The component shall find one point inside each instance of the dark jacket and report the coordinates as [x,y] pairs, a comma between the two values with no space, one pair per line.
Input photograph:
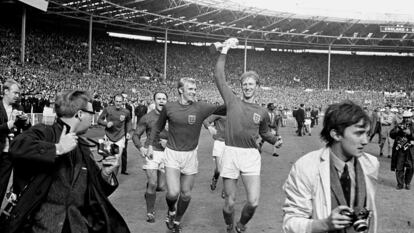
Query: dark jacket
[300,115]
[396,133]
[4,129]
[34,157]
[129,107]
[140,111]
[5,161]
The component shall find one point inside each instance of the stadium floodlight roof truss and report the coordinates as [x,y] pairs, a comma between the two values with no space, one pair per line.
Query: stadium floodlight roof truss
[211,20]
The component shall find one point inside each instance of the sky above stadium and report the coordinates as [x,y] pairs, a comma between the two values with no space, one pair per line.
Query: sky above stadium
[377,10]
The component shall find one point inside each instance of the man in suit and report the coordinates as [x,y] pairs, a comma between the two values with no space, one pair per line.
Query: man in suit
[403,151]
[300,118]
[61,187]
[12,122]
[324,186]
[273,126]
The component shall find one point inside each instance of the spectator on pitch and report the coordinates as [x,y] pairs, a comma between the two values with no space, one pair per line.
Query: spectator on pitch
[375,125]
[118,127]
[140,110]
[386,119]
[308,121]
[185,118]
[300,118]
[12,122]
[59,185]
[245,120]
[326,187]
[97,108]
[153,166]
[314,116]
[403,151]
[273,126]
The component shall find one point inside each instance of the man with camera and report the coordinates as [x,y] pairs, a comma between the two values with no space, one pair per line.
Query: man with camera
[153,165]
[118,125]
[241,157]
[12,122]
[333,189]
[403,150]
[59,186]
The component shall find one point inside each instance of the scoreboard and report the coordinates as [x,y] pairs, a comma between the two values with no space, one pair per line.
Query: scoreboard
[397,29]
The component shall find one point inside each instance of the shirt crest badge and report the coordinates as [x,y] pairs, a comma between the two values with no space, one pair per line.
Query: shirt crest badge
[122,117]
[191,119]
[256,118]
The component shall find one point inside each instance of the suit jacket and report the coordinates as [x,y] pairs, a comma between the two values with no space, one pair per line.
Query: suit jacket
[4,129]
[308,190]
[300,115]
[34,156]
[396,134]
[129,107]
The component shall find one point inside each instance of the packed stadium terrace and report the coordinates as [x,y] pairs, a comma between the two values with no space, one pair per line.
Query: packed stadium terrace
[57,60]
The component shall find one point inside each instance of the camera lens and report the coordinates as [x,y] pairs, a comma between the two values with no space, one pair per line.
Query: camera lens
[360,225]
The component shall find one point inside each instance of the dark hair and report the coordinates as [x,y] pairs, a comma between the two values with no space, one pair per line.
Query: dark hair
[270,106]
[339,116]
[159,92]
[69,102]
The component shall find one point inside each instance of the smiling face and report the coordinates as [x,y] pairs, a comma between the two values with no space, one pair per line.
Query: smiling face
[353,140]
[249,87]
[188,92]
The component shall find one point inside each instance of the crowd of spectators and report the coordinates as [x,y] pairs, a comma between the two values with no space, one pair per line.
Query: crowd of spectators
[57,60]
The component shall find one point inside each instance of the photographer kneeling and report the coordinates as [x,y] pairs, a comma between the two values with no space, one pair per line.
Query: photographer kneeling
[59,186]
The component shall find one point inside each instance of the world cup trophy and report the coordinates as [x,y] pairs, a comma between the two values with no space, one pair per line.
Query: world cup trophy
[230,43]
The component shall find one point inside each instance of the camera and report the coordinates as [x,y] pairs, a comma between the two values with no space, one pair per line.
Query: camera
[402,126]
[20,115]
[11,201]
[107,148]
[359,218]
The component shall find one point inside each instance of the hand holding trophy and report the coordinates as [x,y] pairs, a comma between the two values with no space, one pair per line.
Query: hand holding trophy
[230,43]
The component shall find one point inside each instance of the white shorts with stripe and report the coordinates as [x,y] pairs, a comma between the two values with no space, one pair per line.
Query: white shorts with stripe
[238,161]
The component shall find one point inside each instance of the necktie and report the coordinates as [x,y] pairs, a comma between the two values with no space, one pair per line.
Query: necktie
[346,184]
[271,118]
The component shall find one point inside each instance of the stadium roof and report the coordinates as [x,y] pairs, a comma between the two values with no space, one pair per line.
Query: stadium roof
[212,20]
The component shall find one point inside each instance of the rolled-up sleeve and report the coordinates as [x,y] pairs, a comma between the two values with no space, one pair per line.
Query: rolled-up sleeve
[297,208]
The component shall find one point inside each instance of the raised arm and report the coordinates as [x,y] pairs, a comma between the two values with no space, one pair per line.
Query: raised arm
[220,77]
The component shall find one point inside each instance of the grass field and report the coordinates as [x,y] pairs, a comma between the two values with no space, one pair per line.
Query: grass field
[204,215]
